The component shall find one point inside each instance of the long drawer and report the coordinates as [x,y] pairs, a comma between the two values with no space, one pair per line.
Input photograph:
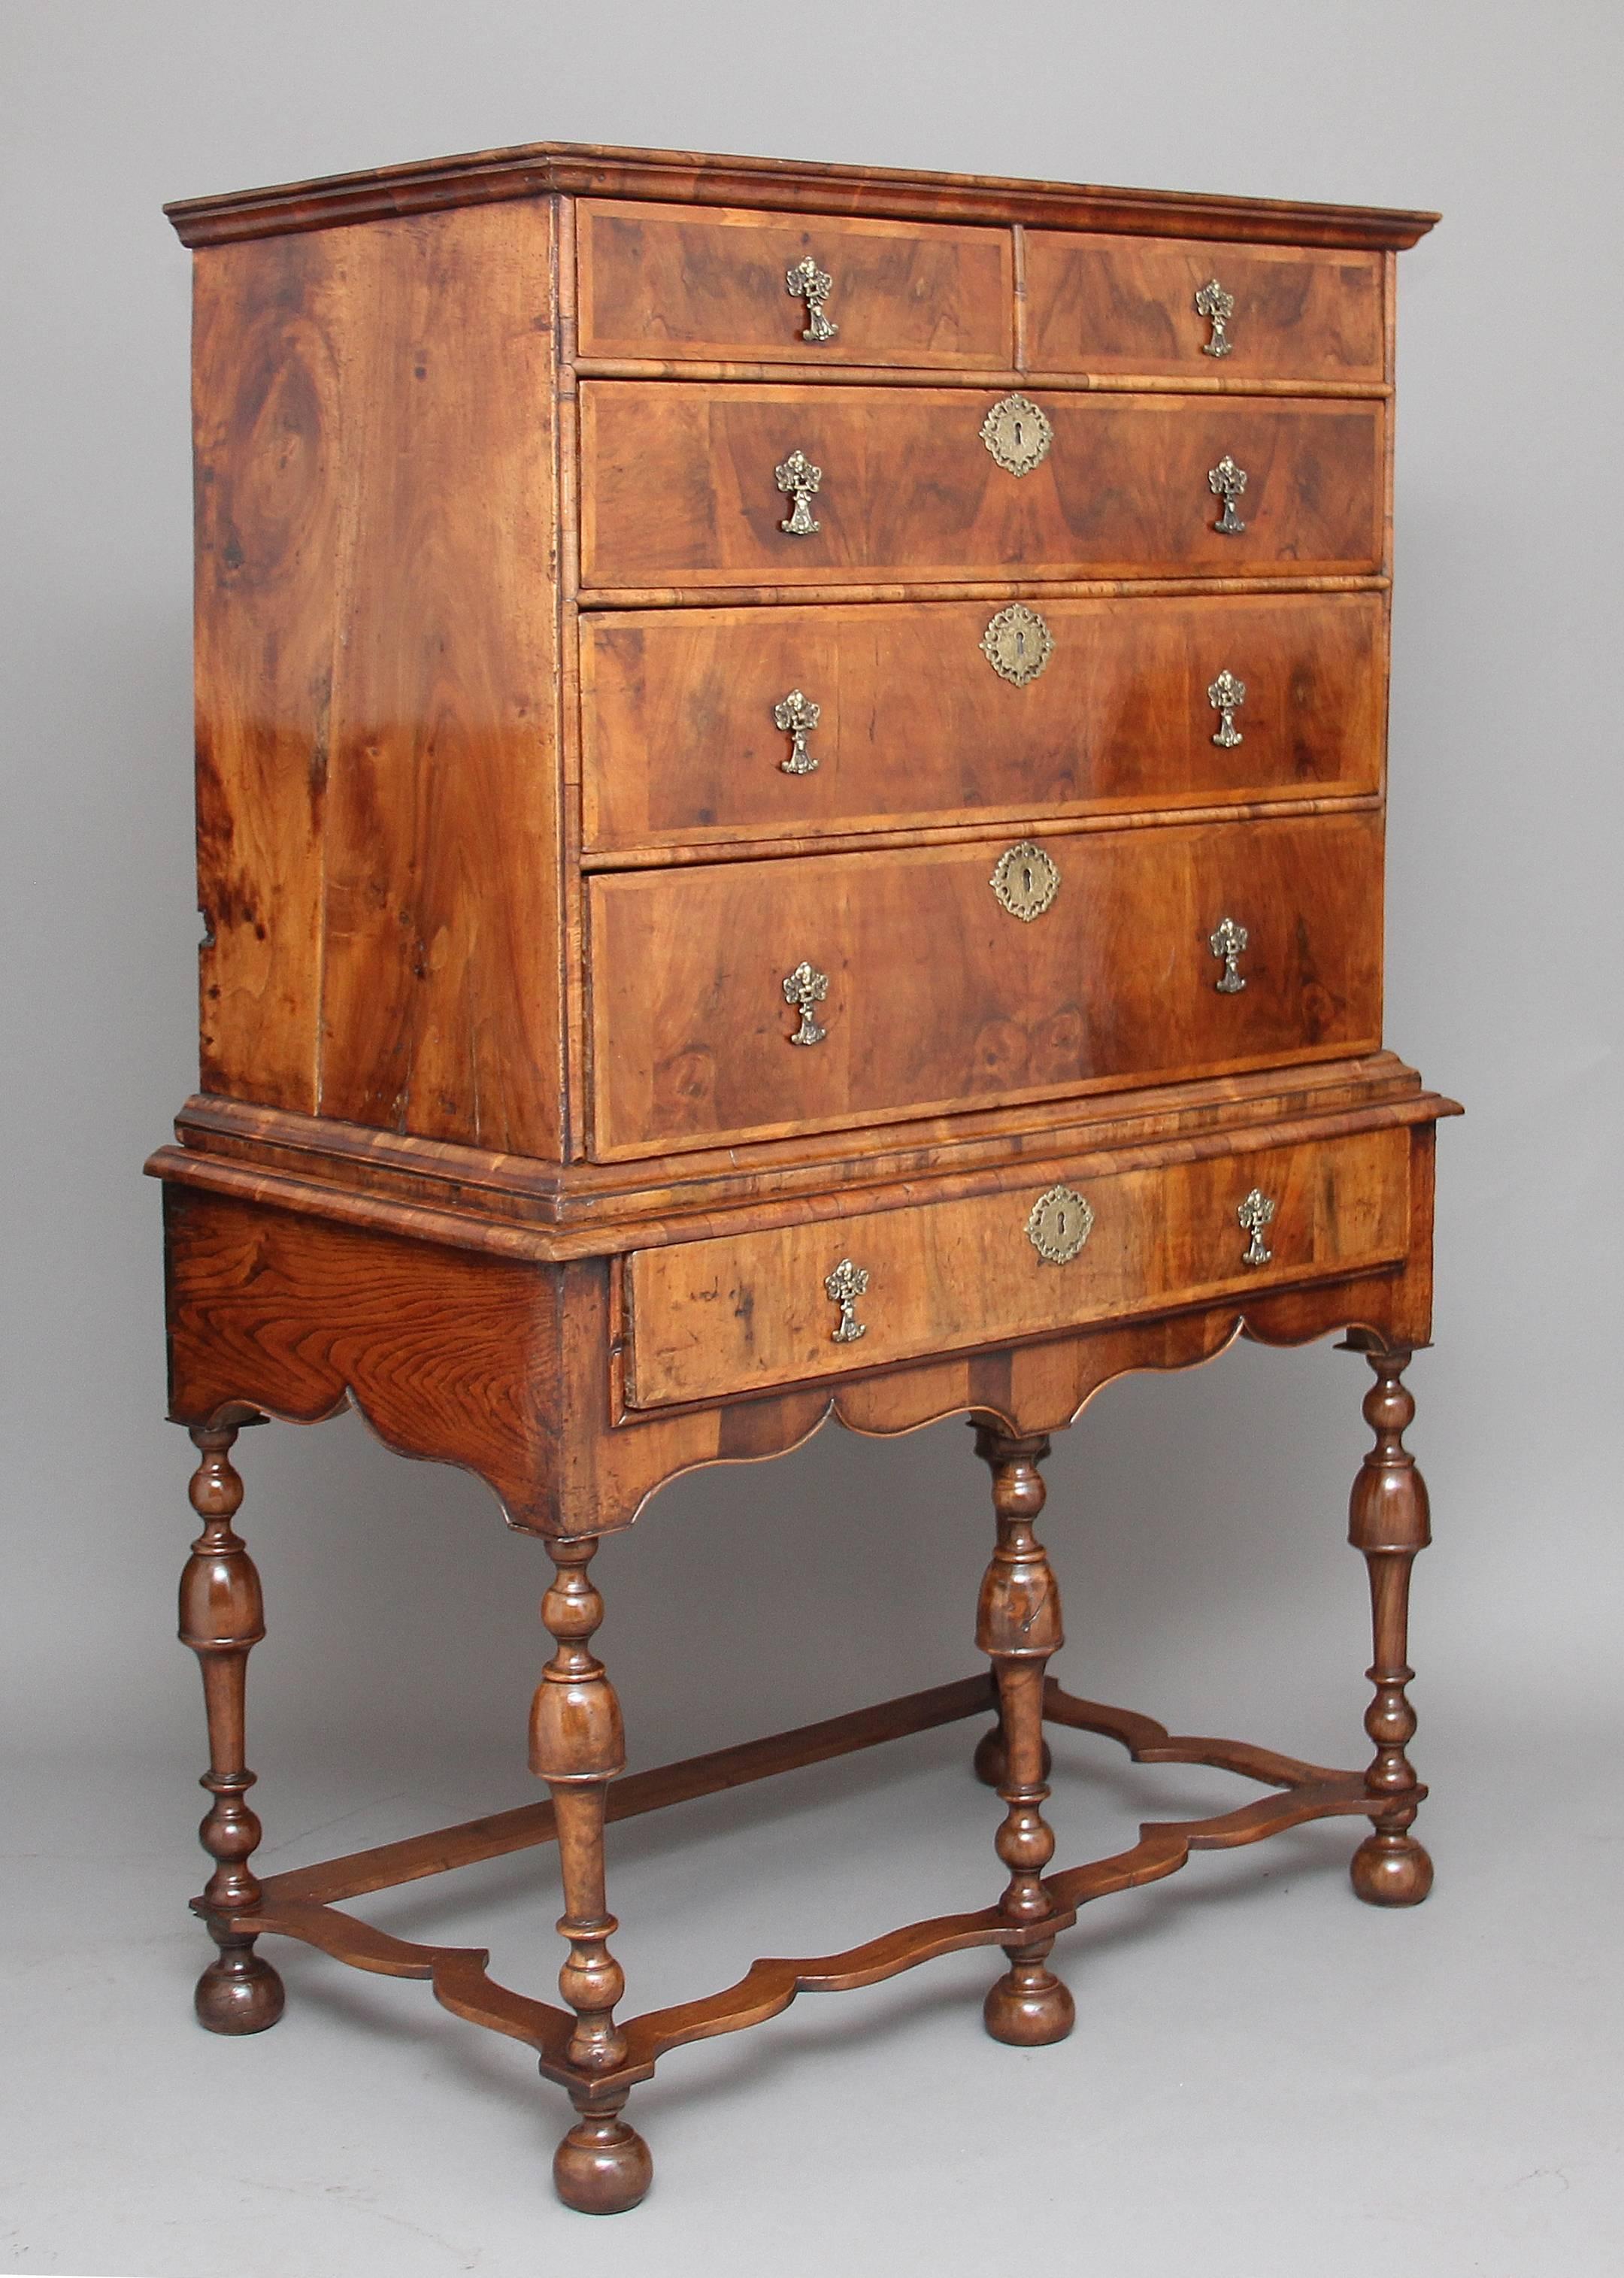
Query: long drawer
[741,1312]
[714,283]
[743,1000]
[700,486]
[695,723]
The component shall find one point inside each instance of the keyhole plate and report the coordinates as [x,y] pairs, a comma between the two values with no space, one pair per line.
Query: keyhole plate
[1017,435]
[1017,643]
[1026,881]
[1060,1223]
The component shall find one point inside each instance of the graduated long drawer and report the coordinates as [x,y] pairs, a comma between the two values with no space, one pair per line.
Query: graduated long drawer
[744,1311]
[680,488]
[937,998]
[690,730]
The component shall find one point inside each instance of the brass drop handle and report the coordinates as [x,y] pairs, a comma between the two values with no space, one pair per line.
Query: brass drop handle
[1227,481]
[1253,1215]
[798,479]
[804,986]
[1226,695]
[843,1287]
[1217,306]
[804,280]
[797,715]
[1228,941]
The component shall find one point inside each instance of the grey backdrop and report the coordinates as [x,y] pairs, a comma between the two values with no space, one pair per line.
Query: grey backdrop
[1196,1521]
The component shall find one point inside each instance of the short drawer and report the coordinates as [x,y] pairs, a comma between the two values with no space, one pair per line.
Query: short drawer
[742,1312]
[1156,307]
[692,486]
[754,998]
[712,285]
[712,724]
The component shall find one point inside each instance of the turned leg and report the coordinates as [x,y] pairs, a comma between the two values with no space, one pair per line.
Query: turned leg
[1018,1626]
[577,1745]
[222,1617]
[1388,1519]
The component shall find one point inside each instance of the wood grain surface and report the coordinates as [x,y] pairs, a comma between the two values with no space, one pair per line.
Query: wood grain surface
[939,998]
[673,280]
[731,1315]
[377,676]
[677,485]
[680,745]
[1105,304]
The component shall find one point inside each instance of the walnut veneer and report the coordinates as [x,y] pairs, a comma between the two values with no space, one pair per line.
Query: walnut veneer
[790,776]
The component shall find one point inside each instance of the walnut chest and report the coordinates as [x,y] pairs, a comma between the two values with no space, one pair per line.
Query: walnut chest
[791,768]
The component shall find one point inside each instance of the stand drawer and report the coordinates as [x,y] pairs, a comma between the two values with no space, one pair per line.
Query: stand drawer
[742,1312]
[687,486]
[714,284]
[947,977]
[692,730]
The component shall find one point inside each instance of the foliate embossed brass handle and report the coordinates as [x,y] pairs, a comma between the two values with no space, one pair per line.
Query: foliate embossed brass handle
[1227,481]
[1018,434]
[1228,941]
[1026,881]
[1226,695]
[803,988]
[1017,643]
[1255,1214]
[843,1287]
[1060,1223]
[805,281]
[1217,306]
[798,479]
[797,715]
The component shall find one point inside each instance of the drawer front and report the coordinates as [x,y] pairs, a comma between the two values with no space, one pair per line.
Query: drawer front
[680,485]
[714,285]
[682,740]
[935,997]
[742,1312]
[1128,306]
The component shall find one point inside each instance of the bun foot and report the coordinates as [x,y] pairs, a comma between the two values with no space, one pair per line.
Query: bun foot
[602,2167]
[238,1993]
[1391,1870]
[991,1760]
[1029,2007]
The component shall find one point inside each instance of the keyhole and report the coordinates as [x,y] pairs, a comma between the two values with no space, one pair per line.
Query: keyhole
[1026,878]
[1020,647]
[1020,433]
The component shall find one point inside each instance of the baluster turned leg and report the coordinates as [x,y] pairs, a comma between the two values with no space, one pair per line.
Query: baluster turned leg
[1388,1520]
[222,1617]
[577,1745]
[1018,1626]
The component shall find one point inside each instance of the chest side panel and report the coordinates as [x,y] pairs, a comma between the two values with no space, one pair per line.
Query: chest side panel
[377,675]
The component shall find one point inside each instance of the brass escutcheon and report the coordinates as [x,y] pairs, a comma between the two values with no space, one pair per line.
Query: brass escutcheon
[1017,643]
[1017,433]
[1026,881]
[1060,1223]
